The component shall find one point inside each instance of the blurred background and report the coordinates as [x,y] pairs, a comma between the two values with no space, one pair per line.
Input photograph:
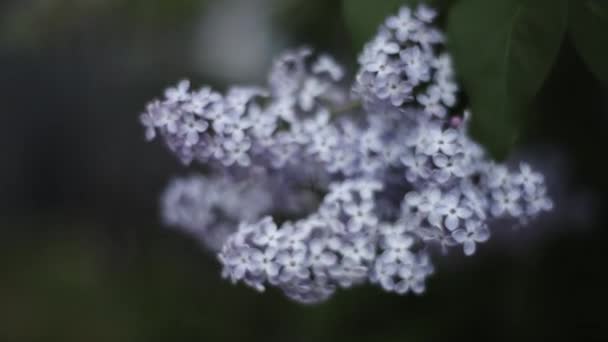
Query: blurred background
[84,257]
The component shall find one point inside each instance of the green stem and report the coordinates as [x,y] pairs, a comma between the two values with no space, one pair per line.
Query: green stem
[350,106]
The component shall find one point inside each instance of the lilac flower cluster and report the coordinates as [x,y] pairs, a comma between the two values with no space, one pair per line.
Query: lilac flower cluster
[237,129]
[310,193]
[405,65]
[209,208]
[343,244]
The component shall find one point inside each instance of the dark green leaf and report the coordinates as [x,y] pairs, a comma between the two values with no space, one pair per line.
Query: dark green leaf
[503,51]
[589,32]
[363,17]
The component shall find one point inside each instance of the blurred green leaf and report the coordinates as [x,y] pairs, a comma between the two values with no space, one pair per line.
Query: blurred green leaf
[363,17]
[589,32]
[503,51]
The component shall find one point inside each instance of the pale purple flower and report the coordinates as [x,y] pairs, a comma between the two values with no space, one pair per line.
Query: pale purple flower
[383,44]
[313,88]
[448,92]
[439,140]
[395,89]
[397,249]
[266,262]
[426,13]
[527,178]
[497,176]
[359,249]
[381,65]
[340,192]
[403,24]
[431,102]
[149,124]
[506,201]
[416,166]
[326,64]
[294,264]
[178,93]
[191,127]
[416,66]
[237,152]
[538,202]
[475,232]
[268,235]
[448,167]
[453,211]
[360,215]
[320,255]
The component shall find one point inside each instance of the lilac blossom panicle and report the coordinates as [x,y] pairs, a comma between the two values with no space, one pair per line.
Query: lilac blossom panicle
[371,190]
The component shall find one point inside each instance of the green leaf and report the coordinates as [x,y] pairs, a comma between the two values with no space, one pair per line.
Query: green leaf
[589,33]
[503,51]
[363,17]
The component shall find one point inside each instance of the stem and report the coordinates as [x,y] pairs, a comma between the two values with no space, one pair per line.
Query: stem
[347,107]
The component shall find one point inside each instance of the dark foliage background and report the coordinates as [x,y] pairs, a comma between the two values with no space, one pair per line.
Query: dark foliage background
[83,256]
